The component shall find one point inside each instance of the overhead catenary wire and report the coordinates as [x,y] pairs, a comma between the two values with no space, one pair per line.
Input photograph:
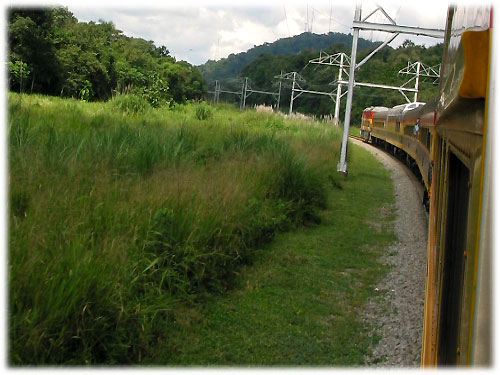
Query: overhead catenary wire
[330,17]
[330,21]
[286,19]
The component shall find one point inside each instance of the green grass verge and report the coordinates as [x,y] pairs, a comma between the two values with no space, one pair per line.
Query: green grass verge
[354,130]
[300,303]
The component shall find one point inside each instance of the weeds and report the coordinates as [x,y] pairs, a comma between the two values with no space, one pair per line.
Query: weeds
[115,221]
[130,104]
[300,302]
[203,112]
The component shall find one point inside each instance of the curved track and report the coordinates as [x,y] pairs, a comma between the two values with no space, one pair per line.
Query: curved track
[398,310]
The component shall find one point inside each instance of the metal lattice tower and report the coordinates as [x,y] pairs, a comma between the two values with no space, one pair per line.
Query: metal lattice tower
[217,91]
[247,91]
[418,69]
[342,61]
[297,90]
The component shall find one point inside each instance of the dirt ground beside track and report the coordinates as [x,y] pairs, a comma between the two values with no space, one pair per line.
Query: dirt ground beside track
[398,310]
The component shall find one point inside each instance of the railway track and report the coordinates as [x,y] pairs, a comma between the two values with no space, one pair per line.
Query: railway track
[412,169]
[357,137]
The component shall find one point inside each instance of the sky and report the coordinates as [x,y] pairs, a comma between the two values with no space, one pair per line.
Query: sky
[196,31]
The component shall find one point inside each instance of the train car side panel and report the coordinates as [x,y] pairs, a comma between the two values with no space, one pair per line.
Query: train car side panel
[455,219]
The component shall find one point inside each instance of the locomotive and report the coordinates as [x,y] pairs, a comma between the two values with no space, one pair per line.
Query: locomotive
[449,141]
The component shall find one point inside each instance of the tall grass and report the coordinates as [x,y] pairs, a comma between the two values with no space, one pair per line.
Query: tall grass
[116,220]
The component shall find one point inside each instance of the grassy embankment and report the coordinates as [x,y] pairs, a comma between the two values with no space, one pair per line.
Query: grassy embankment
[122,221]
[300,303]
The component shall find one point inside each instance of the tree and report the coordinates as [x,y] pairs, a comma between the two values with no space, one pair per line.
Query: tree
[30,36]
[163,51]
[57,55]
[18,74]
[407,44]
[156,91]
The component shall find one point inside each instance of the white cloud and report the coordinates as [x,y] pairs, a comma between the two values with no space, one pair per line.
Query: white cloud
[200,30]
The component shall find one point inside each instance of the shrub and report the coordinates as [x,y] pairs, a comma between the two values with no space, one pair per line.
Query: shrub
[188,250]
[294,182]
[130,103]
[156,93]
[203,112]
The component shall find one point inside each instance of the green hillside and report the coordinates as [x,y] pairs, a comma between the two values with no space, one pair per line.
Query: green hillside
[232,66]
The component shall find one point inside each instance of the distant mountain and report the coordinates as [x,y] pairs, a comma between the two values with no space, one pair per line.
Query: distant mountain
[232,66]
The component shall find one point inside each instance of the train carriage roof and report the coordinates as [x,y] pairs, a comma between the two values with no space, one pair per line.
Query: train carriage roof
[423,113]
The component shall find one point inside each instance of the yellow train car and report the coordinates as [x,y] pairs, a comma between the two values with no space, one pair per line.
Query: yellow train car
[394,130]
[366,123]
[407,129]
[457,318]
[379,121]
[418,141]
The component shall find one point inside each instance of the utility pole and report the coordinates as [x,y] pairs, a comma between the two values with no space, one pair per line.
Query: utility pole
[342,165]
[416,82]
[342,61]
[418,69]
[279,97]
[216,91]
[244,93]
[330,22]
[339,91]
[297,90]
[292,96]
[307,15]
[247,90]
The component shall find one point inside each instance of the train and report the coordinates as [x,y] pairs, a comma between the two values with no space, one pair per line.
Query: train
[449,141]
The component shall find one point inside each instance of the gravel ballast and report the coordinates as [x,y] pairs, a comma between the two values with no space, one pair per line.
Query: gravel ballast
[397,311]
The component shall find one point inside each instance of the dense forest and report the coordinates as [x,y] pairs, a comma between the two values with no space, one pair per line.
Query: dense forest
[51,52]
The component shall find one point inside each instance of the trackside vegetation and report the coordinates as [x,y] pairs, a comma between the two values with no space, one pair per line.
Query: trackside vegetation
[302,300]
[121,215]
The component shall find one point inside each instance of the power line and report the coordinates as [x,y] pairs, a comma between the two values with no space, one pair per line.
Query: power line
[330,21]
[286,19]
[330,17]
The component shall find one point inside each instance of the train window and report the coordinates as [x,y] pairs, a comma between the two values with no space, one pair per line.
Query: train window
[423,136]
[398,126]
[453,260]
